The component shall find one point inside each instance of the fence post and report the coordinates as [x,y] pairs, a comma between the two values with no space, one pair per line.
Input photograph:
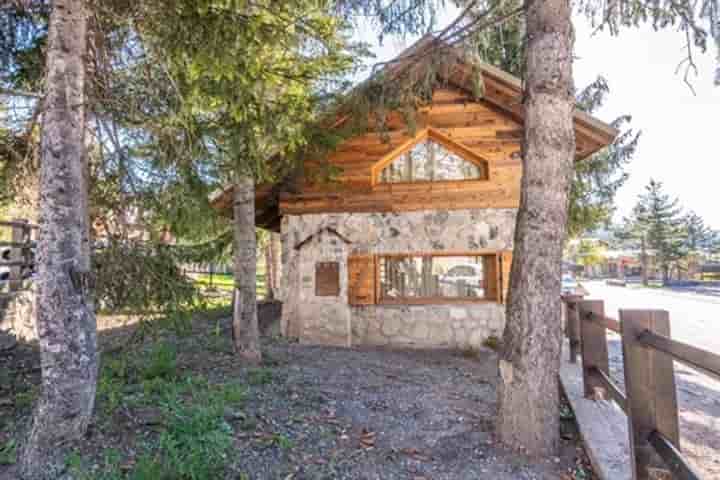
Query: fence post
[593,339]
[16,255]
[650,388]
[572,324]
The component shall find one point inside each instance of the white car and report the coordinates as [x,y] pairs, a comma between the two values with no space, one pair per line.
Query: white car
[5,257]
[570,286]
[469,274]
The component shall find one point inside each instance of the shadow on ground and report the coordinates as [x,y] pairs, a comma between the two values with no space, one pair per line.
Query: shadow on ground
[178,402]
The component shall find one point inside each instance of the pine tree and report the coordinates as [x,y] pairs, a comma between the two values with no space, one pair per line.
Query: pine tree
[659,217]
[699,237]
[698,241]
[66,325]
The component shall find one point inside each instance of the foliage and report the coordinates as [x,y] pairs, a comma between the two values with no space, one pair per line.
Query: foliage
[182,95]
[194,440]
[396,17]
[699,237]
[141,277]
[587,252]
[8,453]
[657,216]
[698,21]
[595,179]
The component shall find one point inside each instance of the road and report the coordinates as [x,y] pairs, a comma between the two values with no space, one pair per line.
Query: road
[694,319]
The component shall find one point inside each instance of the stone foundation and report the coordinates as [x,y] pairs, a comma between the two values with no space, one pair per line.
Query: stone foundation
[312,238]
[461,327]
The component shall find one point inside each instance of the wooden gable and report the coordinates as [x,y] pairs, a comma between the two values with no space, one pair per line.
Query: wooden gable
[474,130]
[489,129]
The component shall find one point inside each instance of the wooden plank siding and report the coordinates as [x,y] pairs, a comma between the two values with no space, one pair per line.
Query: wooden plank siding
[472,129]
[490,127]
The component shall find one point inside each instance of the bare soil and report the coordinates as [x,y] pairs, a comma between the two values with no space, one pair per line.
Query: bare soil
[321,412]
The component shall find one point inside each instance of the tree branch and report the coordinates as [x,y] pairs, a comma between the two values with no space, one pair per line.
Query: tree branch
[19,93]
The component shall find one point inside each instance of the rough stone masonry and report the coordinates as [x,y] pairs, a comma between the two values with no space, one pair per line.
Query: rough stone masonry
[333,321]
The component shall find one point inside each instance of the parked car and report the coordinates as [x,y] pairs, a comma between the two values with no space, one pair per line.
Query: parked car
[570,286]
[469,274]
[4,271]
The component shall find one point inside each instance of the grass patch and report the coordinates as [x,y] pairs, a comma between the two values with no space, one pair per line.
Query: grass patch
[223,281]
[161,362]
[24,400]
[8,453]
[260,376]
[193,439]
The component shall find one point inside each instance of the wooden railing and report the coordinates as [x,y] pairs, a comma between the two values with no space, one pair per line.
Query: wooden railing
[649,399]
[18,254]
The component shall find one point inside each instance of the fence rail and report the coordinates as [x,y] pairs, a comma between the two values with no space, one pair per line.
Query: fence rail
[650,398]
[18,254]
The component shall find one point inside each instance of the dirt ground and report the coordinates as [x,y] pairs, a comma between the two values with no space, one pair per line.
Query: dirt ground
[319,413]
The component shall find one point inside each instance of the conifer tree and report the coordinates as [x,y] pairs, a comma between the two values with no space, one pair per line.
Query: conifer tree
[659,217]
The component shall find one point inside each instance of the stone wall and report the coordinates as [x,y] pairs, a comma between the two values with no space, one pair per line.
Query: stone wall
[331,320]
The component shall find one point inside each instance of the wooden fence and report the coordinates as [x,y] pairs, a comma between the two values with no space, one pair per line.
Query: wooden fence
[18,254]
[649,399]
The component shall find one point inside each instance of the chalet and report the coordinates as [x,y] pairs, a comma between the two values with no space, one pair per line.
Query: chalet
[412,244]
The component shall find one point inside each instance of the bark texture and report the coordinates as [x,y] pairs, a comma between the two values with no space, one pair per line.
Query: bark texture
[66,325]
[269,273]
[530,361]
[245,323]
[273,252]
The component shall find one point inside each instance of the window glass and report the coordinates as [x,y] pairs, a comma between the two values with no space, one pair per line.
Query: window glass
[417,277]
[429,161]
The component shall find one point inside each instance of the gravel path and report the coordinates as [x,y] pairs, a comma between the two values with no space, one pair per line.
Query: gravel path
[381,414]
[334,413]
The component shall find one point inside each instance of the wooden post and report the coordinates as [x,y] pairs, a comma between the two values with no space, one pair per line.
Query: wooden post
[650,388]
[17,255]
[593,339]
[572,324]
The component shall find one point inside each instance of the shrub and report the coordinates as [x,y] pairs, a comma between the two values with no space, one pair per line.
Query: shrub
[141,278]
[260,376]
[161,362]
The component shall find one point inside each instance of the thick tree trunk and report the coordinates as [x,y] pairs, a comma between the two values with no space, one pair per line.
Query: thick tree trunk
[66,318]
[644,261]
[530,361]
[245,322]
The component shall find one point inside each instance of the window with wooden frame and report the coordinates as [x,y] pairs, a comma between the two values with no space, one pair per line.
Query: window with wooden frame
[430,156]
[427,278]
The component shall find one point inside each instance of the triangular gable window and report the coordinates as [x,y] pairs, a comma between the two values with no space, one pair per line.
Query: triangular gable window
[430,161]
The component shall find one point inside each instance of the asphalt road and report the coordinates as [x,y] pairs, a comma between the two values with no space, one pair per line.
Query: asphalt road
[694,318]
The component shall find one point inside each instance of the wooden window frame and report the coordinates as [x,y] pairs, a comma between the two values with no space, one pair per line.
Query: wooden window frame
[440,138]
[496,254]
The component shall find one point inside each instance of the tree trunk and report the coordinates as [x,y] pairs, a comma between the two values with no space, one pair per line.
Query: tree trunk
[276,246]
[644,261]
[66,319]
[269,269]
[245,322]
[528,417]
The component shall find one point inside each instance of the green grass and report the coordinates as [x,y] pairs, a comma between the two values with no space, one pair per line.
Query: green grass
[225,282]
[193,439]
[8,453]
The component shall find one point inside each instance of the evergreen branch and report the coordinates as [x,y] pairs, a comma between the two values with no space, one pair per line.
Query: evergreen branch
[13,92]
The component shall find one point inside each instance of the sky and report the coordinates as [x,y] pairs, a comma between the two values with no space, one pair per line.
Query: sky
[680,143]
